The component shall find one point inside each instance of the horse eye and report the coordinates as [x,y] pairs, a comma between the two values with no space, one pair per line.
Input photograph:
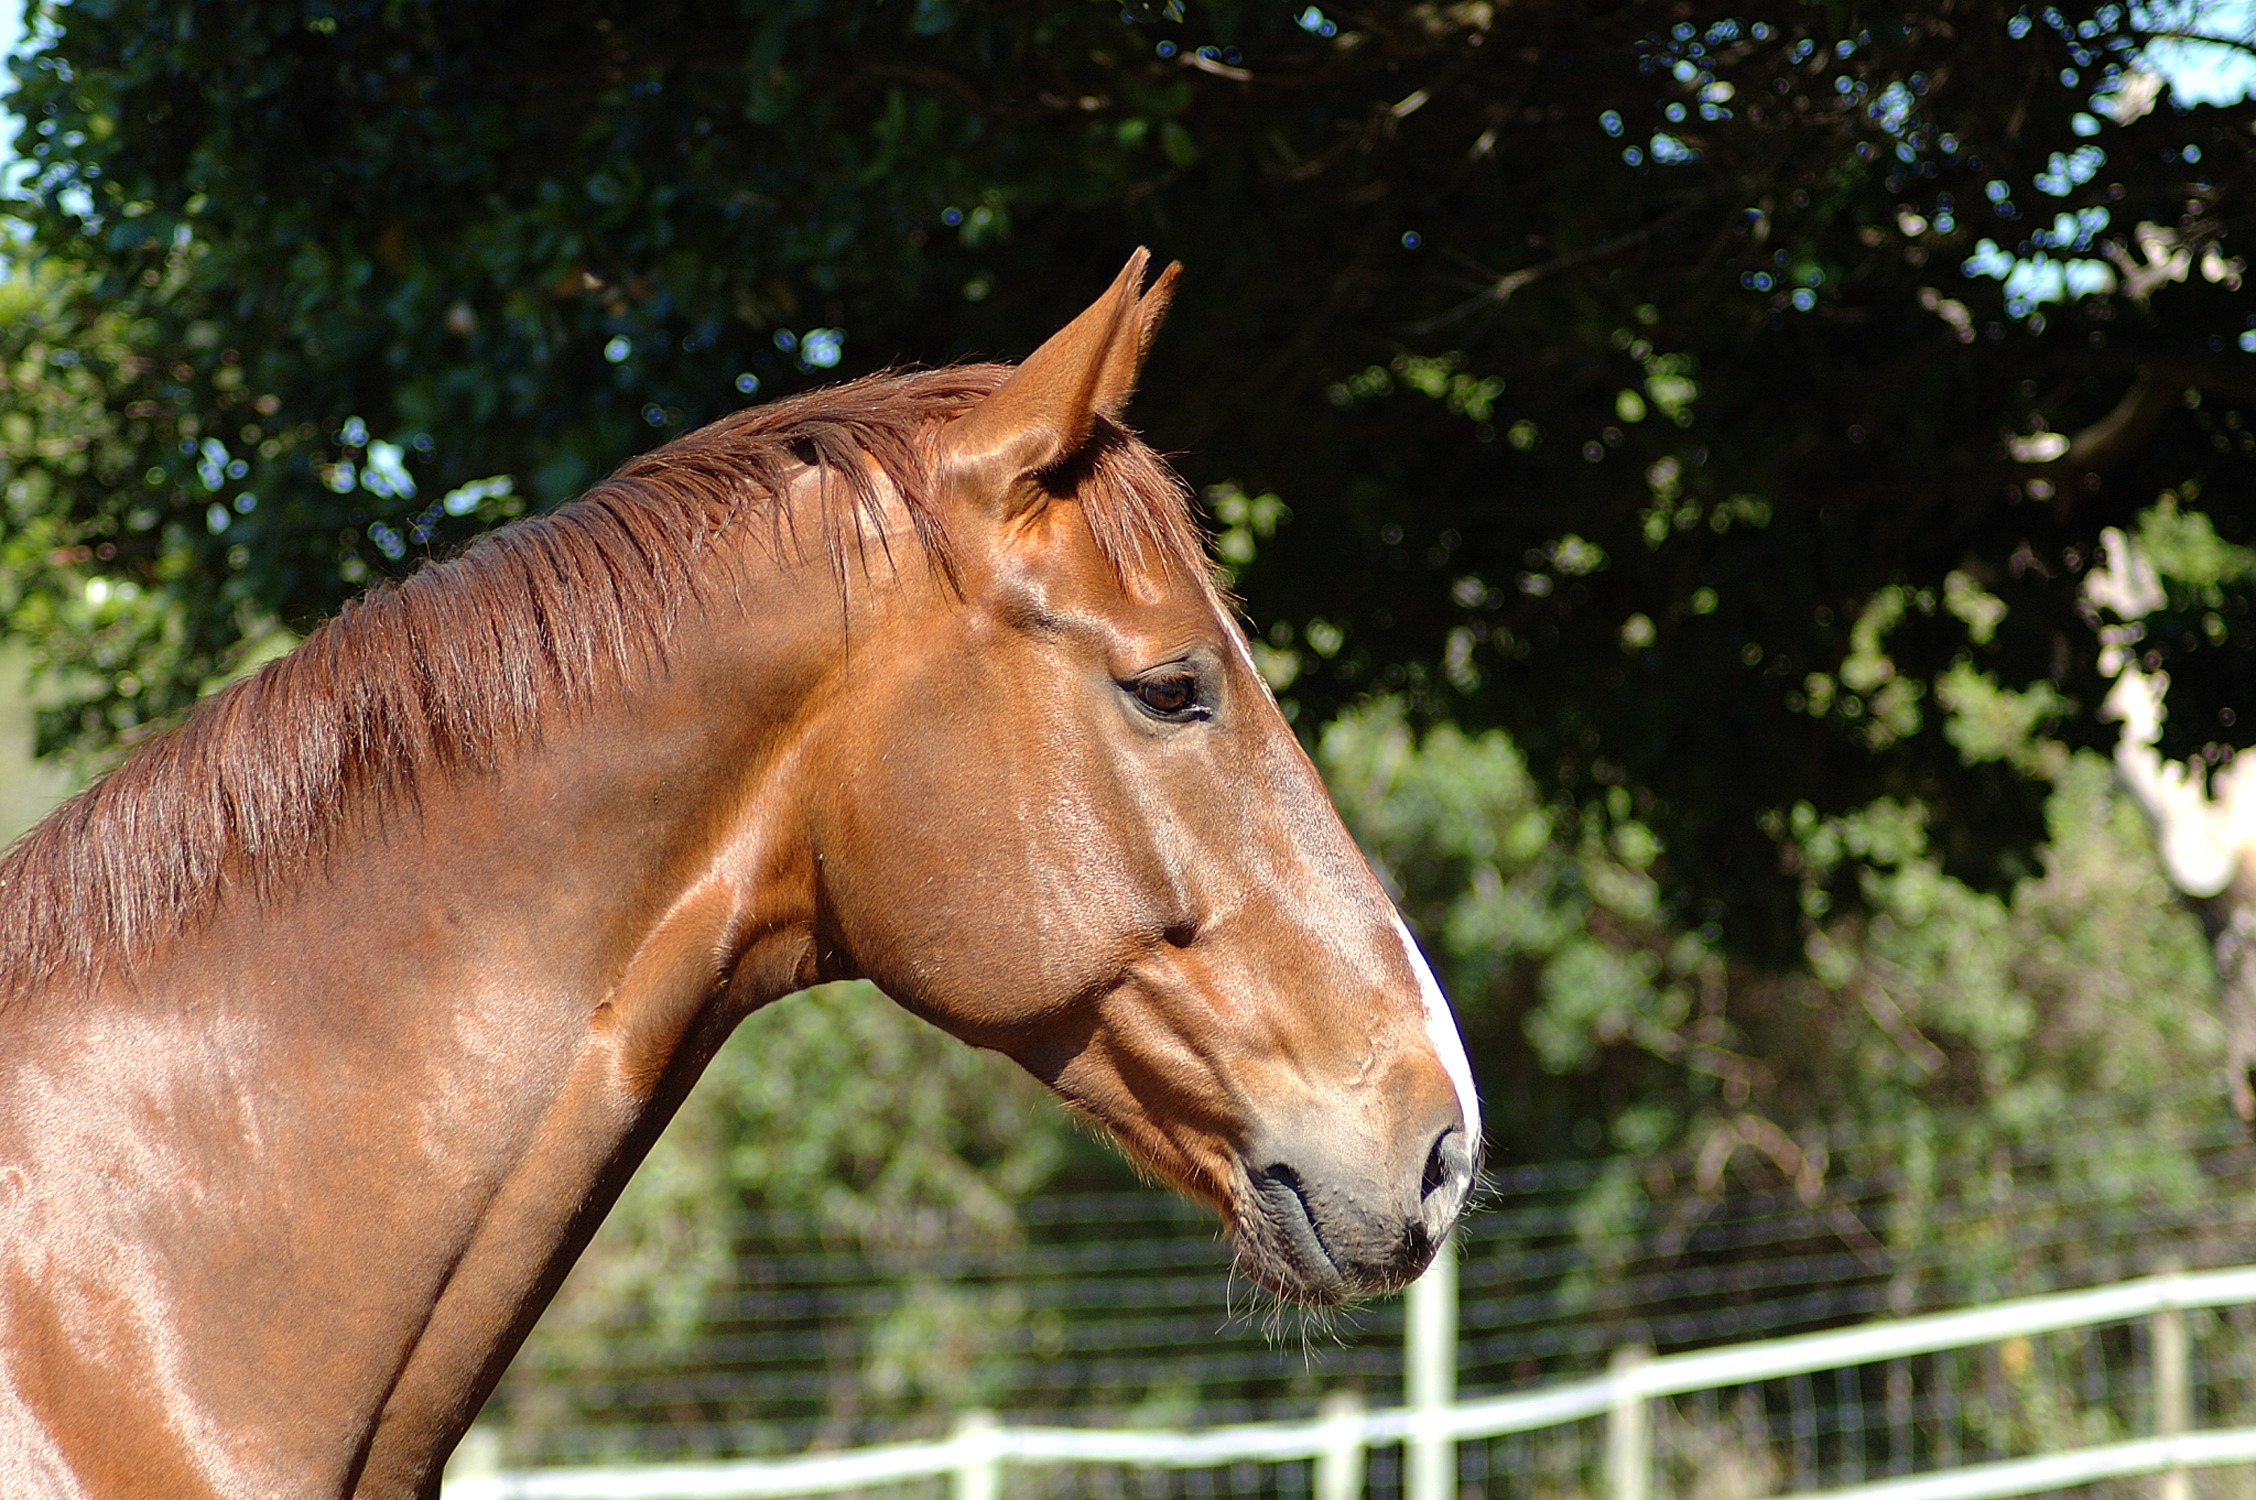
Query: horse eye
[1169,696]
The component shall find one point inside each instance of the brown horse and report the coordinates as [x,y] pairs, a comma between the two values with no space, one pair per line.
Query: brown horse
[334,1020]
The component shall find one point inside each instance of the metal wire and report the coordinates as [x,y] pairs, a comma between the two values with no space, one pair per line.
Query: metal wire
[1113,1310]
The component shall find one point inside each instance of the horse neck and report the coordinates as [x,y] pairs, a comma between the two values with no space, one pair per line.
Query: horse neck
[433,1059]
[577,857]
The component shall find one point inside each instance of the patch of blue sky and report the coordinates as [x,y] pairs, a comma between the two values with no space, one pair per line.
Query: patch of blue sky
[2031,281]
[2074,231]
[464,499]
[2041,279]
[2198,70]
[1892,109]
[1670,151]
[12,171]
[384,471]
[1988,260]
[2067,172]
[215,466]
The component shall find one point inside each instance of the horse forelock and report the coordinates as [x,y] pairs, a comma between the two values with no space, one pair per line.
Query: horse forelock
[439,673]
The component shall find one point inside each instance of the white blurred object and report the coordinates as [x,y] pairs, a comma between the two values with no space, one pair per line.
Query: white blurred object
[2164,259]
[2205,825]
[2206,833]
[2127,584]
[2134,96]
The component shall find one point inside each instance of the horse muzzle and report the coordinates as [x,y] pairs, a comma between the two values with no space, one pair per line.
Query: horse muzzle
[1325,1218]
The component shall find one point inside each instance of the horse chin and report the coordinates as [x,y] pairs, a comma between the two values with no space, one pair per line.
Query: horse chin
[1280,1241]
[1281,1249]
[1276,1242]
[1288,1274]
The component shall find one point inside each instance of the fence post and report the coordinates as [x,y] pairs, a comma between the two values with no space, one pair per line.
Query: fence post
[978,1469]
[1431,1370]
[1339,1467]
[1629,1431]
[2173,1386]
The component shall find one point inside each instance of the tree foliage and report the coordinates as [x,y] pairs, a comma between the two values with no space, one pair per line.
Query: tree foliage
[1595,1022]
[1720,400]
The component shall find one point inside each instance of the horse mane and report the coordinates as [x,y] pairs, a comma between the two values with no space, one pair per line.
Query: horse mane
[440,673]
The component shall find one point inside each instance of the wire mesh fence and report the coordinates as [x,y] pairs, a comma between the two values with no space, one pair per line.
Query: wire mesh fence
[1121,1311]
[2019,1397]
[1940,1411]
[1721,1425]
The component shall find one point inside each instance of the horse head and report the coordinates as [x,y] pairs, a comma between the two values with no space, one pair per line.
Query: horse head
[1066,820]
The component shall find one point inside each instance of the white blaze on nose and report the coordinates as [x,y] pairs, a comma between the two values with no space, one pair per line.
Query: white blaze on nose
[1441,1029]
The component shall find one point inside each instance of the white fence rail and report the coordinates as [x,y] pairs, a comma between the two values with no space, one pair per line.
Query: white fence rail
[1431,1425]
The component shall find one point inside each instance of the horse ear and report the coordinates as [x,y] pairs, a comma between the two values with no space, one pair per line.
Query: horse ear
[1045,411]
[1126,361]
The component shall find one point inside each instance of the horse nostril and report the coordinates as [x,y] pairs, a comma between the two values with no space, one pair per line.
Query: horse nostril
[1448,1172]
